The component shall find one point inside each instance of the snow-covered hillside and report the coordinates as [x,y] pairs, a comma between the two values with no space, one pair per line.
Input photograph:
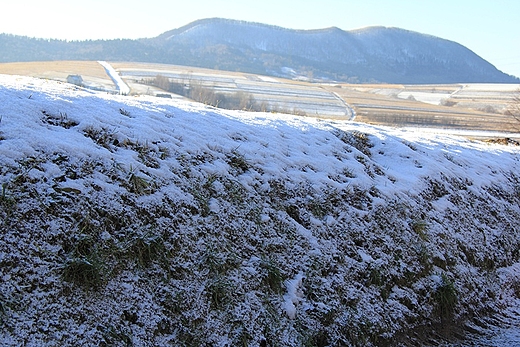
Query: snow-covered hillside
[154,222]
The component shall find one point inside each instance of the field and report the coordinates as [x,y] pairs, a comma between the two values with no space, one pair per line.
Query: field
[279,94]
[92,72]
[470,107]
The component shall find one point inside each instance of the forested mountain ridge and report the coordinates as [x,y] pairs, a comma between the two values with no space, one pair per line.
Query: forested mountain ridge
[375,54]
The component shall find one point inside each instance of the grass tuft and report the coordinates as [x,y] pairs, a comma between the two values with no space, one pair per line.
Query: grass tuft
[420,227]
[83,271]
[219,292]
[124,112]
[61,119]
[138,185]
[145,248]
[273,277]
[356,139]
[3,308]
[238,162]
[446,297]
[103,137]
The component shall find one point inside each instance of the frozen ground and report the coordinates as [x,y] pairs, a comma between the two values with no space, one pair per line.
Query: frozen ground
[146,221]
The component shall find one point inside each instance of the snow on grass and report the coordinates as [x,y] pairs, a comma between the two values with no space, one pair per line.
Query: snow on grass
[150,221]
[293,296]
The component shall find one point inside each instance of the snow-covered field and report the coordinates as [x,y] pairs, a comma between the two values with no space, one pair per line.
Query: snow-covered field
[474,91]
[154,222]
[292,96]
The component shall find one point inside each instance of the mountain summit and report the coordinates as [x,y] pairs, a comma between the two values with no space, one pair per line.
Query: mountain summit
[374,54]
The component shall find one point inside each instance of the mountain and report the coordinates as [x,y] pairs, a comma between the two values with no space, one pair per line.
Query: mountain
[375,54]
[143,221]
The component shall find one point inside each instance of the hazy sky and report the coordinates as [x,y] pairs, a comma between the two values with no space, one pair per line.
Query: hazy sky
[490,28]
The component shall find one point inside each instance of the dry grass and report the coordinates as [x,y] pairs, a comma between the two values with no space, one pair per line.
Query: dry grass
[54,69]
[379,104]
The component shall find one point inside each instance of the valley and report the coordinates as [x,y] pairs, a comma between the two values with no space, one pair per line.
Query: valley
[476,110]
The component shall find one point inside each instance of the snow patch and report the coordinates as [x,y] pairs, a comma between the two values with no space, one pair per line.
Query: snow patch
[294,295]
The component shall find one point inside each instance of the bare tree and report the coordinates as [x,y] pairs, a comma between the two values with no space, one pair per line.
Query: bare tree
[162,82]
[514,109]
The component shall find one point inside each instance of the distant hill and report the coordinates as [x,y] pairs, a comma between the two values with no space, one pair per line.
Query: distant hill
[375,54]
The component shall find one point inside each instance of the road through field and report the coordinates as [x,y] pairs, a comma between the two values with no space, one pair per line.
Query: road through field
[122,87]
[350,111]
[377,104]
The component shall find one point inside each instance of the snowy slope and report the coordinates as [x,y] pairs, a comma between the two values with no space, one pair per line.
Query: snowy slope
[149,221]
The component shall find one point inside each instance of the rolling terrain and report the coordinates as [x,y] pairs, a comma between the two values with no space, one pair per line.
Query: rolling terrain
[451,107]
[92,73]
[478,107]
[373,54]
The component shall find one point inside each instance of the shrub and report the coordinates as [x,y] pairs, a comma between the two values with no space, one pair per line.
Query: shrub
[513,109]
[448,102]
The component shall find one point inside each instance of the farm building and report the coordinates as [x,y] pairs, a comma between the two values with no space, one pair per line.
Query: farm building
[75,79]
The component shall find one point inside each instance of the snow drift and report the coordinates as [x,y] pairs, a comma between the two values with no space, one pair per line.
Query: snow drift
[145,221]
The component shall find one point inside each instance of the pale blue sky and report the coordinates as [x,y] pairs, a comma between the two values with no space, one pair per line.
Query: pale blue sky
[490,28]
